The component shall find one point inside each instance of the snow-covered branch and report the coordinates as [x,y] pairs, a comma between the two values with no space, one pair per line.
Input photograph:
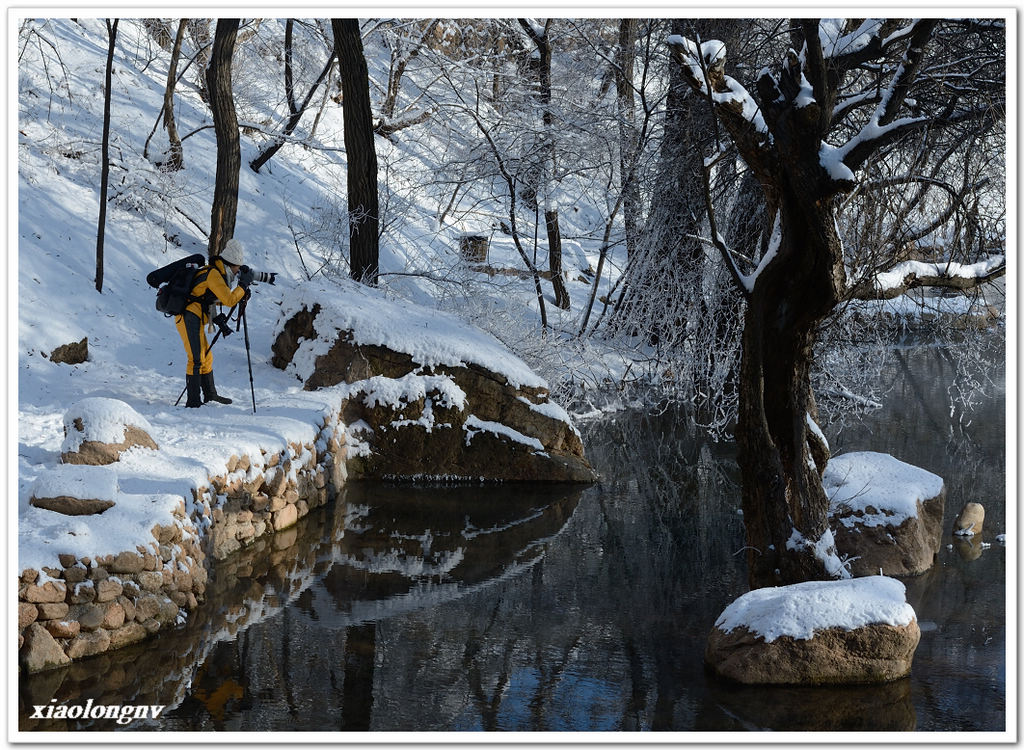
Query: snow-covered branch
[913,274]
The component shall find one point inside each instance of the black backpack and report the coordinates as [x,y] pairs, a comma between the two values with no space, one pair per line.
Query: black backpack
[174,283]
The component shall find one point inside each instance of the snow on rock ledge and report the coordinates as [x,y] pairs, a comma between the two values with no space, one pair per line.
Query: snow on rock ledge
[426,395]
[859,630]
[887,514]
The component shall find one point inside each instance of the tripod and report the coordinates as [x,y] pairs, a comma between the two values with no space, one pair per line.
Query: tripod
[225,330]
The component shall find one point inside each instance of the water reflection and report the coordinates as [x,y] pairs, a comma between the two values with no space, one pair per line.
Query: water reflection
[500,608]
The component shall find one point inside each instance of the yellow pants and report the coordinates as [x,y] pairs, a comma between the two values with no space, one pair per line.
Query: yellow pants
[193,336]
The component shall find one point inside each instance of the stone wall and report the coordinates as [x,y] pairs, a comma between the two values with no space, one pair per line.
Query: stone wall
[91,605]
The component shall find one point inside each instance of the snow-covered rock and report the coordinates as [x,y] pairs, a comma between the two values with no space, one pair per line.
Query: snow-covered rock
[428,396]
[858,630]
[886,514]
[75,490]
[98,430]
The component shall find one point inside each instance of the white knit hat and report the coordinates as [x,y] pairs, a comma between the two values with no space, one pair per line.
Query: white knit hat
[232,252]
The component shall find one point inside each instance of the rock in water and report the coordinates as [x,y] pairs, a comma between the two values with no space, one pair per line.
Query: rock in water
[886,514]
[816,633]
[970,520]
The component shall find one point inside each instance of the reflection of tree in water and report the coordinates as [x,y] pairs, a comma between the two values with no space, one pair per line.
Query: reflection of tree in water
[536,612]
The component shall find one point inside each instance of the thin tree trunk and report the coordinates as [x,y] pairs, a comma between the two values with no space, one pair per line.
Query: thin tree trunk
[543,68]
[627,137]
[293,119]
[176,157]
[229,156]
[360,150]
[105,154]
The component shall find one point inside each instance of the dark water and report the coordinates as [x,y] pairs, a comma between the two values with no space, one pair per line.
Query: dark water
[498,608]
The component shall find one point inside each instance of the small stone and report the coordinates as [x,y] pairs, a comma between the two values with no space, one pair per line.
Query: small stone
[146,607]
[128,606]
[133,632]
[98,573]
[970,520]
[151,580]
[62,628]
[168,610]
[285,517]
[27,614]
[75,574]
[89,644]
[29,576]
[127,562]
[83,593]
[52,610]
[151,626]
[108,590]
[49,592]
[39,651]
[113,617]
[67,560]
[180,599]
[182,580]
[90,616]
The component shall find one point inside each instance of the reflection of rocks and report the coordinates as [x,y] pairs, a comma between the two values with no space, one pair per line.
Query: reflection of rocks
[875,708]
[393,559]
[423,545]
[968,547]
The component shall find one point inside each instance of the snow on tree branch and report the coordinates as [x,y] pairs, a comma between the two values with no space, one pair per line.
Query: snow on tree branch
[704,66]
[912,274]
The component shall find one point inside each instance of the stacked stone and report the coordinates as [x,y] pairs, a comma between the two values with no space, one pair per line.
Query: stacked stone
[89,606]
[248,503]
[92,605]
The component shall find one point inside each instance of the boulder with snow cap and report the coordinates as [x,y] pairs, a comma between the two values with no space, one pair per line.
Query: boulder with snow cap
[852,631]
[98,430]
[75,490]
[429,397]
[886,514]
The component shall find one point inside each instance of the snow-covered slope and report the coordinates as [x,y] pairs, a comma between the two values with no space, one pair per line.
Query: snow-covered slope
[290,220]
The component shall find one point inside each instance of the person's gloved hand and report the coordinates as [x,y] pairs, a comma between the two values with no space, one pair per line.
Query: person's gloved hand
[245,277]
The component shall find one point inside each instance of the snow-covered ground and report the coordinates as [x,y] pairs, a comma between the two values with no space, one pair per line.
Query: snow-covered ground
[136,358]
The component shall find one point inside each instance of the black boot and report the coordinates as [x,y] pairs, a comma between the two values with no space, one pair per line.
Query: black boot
[192,387]
[210,390]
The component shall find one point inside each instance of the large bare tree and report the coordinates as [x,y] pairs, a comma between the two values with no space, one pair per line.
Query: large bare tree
[849,95]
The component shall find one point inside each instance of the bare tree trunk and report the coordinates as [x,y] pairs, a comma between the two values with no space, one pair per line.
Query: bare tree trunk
[543,68]
[225,122]
[785,509]
[296,111]
[176,157]
[360,150]
[627,135]
[105,154]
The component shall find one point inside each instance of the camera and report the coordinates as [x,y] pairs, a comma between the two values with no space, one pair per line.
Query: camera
[268,277]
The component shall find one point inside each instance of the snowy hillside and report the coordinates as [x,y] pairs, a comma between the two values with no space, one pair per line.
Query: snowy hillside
[291,220]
